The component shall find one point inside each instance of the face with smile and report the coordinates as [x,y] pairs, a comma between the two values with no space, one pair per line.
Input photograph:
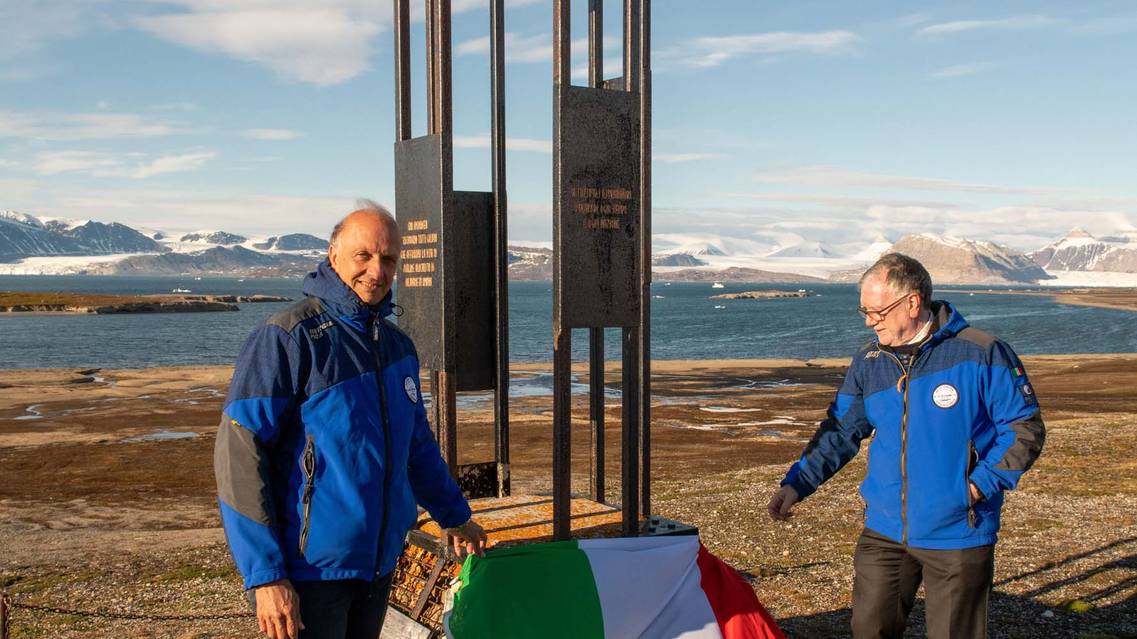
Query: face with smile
[365,254]
[895,316]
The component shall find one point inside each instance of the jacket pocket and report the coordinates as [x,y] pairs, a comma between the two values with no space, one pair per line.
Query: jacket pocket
[308,466]
[972,460]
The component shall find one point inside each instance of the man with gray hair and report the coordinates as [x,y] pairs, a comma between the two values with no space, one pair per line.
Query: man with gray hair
[954,423]
[324,449]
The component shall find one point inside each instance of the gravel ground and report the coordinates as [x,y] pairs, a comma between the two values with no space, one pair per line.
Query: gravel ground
[75,533]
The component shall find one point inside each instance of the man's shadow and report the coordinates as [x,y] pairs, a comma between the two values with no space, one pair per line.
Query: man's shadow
[1105,608]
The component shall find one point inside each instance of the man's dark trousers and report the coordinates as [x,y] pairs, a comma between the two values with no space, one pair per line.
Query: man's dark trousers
[344,609]
[957,586]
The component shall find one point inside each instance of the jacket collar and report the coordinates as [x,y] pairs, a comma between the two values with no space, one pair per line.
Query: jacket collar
[948,320]
[326,285]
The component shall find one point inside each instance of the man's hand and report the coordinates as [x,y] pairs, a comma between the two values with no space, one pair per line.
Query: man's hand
[278,610]
[976,495]
[467,538]
[781,502]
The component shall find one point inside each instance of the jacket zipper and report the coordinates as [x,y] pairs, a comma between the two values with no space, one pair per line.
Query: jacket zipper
[972,458]
[378,353]
[308,465]
[905,374]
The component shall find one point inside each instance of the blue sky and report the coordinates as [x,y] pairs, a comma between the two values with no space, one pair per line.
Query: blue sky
[775,122]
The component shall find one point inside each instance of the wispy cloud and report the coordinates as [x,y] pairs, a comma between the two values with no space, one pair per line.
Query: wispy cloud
[838,177]
[271,134]
[710,51]
[129,165]
[961,70]
[1004,24]
[80,126]
[511,144]
[31,25]
[677,158]
[313,44]
[518,48]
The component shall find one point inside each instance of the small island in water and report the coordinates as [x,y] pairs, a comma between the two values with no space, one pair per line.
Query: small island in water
[760,295]
[97,304]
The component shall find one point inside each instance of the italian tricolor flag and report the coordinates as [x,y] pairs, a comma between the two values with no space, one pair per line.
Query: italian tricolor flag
[651,587]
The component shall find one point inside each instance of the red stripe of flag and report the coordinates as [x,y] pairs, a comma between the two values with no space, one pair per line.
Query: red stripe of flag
[737,610]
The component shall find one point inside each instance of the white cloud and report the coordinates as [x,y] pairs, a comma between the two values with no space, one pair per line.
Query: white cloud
[960,70]
[710,51]
[318,45]
[126,165]
[1005,24]
[271,134]
[511,144]
[837,177]
[80,126]
[518,48]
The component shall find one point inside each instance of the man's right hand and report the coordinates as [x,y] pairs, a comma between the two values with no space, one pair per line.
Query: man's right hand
[781,502]
[278,610]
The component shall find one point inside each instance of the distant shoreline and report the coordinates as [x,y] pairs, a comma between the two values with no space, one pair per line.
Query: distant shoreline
[1121,299]
[26,303]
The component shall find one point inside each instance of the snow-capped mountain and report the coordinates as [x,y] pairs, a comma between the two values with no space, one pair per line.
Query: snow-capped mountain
[20,218]
[1080,251]
[870,253]
[26,236]
[952,260]
[803,249]
[292,242]
[113,238]
[215,238]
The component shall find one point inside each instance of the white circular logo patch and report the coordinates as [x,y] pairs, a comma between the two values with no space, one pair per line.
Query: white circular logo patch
[412,390]
[945,396]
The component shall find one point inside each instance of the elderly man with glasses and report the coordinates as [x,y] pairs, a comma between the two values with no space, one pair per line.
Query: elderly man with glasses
[954,423]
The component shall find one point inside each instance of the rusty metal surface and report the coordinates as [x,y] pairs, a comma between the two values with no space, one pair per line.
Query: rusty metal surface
[630,433]
[402,37]
[501,241]
[529,518]
[420,579]
[596,410]
[596,207]
[470,288]
[484,479]
[644,47]
[562,430]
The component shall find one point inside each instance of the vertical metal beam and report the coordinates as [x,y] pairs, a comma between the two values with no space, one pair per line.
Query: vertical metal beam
[562,432]
[562,71]
[562,336]
[445,95]
[402,70]
[644,55]
[501,252]
[630,436]
[431,70]
[448,410]
[631,45]
[596,409]
[596,43]
[596,335]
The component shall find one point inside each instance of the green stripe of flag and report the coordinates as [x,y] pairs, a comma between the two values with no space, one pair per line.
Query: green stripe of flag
[565,603]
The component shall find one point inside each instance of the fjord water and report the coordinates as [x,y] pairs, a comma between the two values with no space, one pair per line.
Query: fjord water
[686,324]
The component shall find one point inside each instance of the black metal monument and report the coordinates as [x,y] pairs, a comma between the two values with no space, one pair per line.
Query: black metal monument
[602,249]
[452,279]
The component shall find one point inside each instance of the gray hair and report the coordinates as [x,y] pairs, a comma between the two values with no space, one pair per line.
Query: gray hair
[371,206]
[902,274]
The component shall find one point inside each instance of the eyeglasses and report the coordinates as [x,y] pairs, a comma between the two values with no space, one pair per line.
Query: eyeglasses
[878,315]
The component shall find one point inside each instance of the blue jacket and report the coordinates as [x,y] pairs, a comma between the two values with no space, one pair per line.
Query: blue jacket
[324,447]
[963,410]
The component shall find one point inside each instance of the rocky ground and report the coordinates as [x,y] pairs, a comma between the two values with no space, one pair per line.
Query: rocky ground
[106,494]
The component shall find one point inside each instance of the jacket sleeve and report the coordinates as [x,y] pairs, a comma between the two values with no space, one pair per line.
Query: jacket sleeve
[433,487]
[261,397]
[1019,432]
[837,439]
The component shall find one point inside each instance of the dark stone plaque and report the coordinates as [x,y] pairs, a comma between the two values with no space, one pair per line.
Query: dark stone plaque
[596,212]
